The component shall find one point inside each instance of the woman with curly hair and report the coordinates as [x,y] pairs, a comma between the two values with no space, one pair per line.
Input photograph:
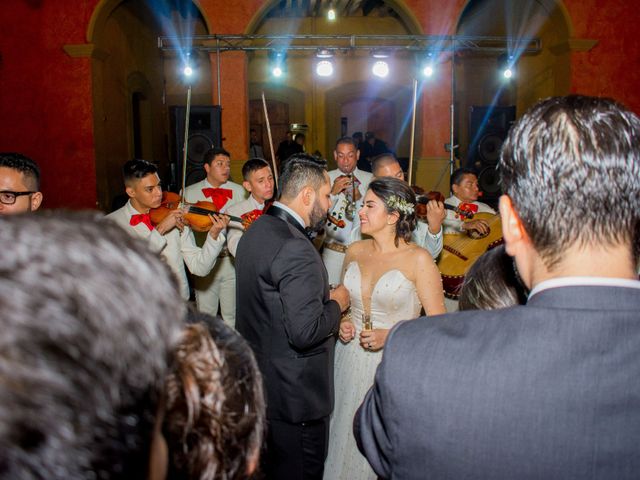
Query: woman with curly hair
[214,418]
[389,279]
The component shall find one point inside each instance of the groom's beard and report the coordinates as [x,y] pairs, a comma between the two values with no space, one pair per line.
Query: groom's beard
[317,217]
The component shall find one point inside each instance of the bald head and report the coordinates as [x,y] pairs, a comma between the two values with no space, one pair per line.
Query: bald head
[386,165]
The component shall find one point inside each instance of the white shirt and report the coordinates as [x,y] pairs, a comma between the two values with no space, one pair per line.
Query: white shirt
[583,281]
[175,247]
[193,193]
[452,224]
[235,229]
[339,203]
[290,212]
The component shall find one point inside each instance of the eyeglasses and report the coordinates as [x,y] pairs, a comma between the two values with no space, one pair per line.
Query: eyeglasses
[8,197]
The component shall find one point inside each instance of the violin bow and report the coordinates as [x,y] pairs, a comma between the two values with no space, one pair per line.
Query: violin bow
[413,129]
[186,143]
[273,154]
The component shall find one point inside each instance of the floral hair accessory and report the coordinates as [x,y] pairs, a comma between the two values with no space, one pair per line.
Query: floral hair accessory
[394,202]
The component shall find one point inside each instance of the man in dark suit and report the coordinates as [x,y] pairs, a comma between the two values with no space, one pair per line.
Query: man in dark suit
[548,390]
[290,317]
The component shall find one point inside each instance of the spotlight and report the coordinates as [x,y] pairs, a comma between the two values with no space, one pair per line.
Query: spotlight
[427,71]
[506,64]
[380,69]
[188,71]
[331,14]
[277,63]
[324,68]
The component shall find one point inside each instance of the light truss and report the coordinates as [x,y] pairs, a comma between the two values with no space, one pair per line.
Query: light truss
[350,43]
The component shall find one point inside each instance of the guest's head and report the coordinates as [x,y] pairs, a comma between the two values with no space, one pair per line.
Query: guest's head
[215,411]
[464,185]
[89,319]
[346,154]
[142,184]
[389,205]
[570,171]
[304,186]
[258,179]
[357,137]
[217,164]
[300,138]
[19,184]
[386,165]
[492,282]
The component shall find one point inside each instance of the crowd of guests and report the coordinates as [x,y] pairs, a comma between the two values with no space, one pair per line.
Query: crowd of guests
[105,372]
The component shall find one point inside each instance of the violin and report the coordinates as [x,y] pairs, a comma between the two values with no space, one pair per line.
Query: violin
[464,210]
[196,216]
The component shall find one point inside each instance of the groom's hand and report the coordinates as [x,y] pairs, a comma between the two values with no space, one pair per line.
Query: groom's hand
[341,295]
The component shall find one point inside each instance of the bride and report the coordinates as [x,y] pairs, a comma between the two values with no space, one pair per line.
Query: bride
[389,280]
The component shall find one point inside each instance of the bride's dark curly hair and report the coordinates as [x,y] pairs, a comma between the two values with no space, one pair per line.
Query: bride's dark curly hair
[397,197]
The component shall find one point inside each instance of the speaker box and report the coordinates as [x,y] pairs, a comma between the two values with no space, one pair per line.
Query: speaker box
[204,133]
[488,128]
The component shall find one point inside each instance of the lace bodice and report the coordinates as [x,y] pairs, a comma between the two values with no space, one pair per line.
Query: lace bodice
[394,298]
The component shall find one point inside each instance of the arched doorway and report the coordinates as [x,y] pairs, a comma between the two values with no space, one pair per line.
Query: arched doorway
[134,85]
[326,105]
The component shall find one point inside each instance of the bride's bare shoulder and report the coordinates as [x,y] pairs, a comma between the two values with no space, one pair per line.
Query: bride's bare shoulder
[360,246]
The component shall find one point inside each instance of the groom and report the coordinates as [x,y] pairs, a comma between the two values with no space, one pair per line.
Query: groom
[289,317]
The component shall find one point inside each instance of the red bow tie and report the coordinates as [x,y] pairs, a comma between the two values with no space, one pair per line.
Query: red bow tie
[141,218]
[218,196]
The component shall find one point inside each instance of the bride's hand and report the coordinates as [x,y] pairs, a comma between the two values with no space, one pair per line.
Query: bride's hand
[347,331]
[373,339]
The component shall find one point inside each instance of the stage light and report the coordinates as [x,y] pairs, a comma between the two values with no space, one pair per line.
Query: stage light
[188,71]
[277,63]
[324,68]
[331,14]
[506,64]
[380,69]
[427,71]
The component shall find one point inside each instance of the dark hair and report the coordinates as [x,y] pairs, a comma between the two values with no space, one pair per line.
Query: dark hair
[215,416]
[369,135]
[387,187]
[252,165]
[348,141]
[382,160]
[458,175]
[24,165]
[137,169]
[300,135]
[213,153]
[571,166]
[301,170]
[356,135]
[83,353]
[492,282]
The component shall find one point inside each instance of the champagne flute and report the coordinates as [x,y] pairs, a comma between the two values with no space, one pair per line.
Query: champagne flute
[367,324]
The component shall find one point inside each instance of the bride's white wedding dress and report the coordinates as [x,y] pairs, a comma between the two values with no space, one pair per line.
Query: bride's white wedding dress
[394,298]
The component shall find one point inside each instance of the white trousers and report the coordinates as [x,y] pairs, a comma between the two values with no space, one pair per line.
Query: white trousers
[218,288]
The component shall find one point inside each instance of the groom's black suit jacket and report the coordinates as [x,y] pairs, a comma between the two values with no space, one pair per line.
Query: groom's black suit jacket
[549,390]
[284,312]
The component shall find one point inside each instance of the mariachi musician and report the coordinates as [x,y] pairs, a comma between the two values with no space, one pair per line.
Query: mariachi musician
[259,182]
[464,187]
[465,239]
[348,186]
